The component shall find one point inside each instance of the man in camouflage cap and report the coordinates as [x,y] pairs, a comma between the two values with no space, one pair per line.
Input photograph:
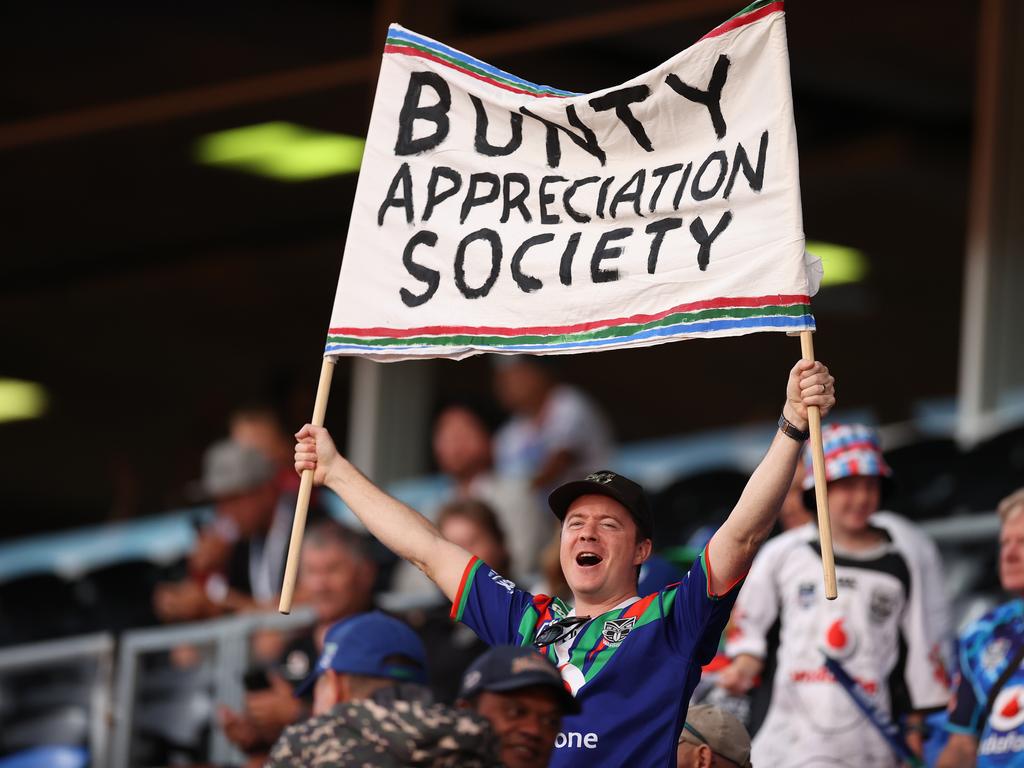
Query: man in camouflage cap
[370,707]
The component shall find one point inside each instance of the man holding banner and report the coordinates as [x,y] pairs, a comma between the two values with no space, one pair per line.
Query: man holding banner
[496,215]
[631,661]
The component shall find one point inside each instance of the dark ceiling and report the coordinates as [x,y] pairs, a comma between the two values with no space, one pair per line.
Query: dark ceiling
[150,294]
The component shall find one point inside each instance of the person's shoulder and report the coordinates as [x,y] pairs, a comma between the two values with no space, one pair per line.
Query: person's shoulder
[1010,613]
[901,530]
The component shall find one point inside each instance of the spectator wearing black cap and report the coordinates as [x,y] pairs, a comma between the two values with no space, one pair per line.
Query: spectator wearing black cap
[612,643]
[370,707]
[523,696]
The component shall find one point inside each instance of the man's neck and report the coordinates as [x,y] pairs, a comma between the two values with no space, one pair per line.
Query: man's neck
[586,607]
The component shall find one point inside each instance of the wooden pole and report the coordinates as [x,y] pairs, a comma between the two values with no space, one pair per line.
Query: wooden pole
[828,561]
[291,570]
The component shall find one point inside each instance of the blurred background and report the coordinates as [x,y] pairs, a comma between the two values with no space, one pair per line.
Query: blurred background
[178,179]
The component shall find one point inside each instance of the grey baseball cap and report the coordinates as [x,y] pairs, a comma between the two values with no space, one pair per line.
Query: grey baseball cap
[230,468]
[720,730]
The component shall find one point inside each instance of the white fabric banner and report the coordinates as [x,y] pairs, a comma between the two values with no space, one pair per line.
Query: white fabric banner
[496,215]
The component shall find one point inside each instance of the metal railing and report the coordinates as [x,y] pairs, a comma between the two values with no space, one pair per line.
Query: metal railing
[229,638]
[98,648]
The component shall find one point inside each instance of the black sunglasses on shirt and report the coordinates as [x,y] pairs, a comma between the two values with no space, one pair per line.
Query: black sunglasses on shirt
[558,630]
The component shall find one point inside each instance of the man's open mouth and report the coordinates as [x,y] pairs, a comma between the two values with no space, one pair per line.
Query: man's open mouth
[588,559]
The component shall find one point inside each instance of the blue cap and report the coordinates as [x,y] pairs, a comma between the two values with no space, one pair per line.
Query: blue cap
[362,645]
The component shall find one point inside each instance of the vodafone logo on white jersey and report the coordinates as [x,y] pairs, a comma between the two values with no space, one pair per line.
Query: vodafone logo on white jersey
[1008,709]
[840,640]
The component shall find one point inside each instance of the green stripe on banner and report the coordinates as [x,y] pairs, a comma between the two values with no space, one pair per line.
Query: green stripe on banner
[795,310]
[461,64]
[751,7]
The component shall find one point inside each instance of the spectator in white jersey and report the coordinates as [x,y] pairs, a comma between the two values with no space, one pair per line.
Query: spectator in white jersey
[877,630]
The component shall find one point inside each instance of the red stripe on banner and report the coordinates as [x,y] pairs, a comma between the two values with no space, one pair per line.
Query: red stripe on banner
[401,49]
[441,330]
[742,21]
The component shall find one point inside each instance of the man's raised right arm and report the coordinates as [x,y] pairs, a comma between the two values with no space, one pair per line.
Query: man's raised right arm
[399,527]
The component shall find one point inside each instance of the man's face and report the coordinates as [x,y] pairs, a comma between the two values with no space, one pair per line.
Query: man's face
[1011,553]
[526,722]
[521,387]
[252,511]
[852,500]
[462,446]
[265,436]
[335,582]
[599,550]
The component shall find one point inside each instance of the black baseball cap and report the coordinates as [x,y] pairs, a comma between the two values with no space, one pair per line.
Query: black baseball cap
[506,668]
[604,483]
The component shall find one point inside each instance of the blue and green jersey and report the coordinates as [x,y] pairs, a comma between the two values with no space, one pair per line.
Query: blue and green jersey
[632,668]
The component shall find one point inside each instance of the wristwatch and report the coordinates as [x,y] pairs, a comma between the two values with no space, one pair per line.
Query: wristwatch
[789,430]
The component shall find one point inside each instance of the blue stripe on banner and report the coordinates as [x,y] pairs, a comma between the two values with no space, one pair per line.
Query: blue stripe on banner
[707,326]
[402,34]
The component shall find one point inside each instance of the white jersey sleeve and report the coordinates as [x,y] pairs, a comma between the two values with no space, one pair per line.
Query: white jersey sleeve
[924,617]
[757,606]
[925,562]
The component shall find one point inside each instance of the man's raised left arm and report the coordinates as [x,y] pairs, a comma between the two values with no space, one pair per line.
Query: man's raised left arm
[732,548]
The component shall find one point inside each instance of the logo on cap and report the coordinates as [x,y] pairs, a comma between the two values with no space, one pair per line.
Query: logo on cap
[330,651]
[615,630]
[601,477]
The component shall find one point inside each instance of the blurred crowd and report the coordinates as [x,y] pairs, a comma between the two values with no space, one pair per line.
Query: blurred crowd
[877,677]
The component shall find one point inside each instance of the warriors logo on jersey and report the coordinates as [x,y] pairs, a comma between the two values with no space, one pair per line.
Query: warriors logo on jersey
[616,629]
[805,594]
[883,603]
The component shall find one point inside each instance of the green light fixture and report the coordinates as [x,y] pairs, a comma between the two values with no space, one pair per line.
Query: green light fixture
[282,151]
[20,400]
[842,264]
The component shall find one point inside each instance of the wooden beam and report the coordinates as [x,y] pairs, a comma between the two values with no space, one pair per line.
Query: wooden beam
[299,82]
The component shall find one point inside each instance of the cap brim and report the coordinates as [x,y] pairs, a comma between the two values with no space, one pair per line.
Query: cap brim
[569,703]
[564,495]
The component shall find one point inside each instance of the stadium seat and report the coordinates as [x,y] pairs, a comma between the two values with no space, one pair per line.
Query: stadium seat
[47,757]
